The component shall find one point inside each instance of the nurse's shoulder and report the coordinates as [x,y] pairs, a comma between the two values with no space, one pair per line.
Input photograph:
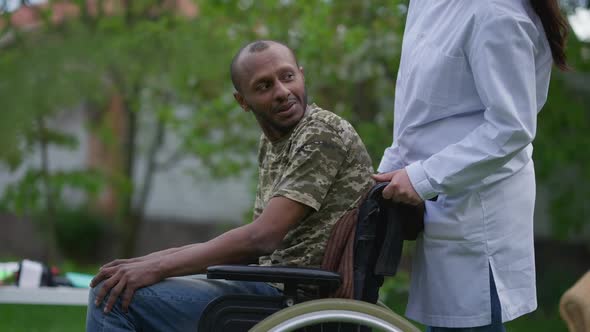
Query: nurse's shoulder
[510,19]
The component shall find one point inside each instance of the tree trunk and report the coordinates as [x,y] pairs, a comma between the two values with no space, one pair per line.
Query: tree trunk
[52,254]
[135,217]
[130,219]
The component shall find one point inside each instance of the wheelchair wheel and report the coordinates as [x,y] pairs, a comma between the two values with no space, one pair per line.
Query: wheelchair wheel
[334,310]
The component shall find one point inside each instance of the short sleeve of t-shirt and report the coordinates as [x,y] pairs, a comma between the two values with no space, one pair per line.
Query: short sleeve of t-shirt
[316,156]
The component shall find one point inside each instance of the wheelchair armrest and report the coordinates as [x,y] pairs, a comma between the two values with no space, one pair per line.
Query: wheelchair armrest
[325,280]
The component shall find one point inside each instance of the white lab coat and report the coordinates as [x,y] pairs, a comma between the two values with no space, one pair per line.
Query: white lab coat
[472,78]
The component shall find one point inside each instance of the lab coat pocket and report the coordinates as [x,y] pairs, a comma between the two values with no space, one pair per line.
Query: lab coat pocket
[443,76]
[457,217]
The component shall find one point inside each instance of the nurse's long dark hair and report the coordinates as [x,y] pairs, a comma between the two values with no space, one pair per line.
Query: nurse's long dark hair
[556,29]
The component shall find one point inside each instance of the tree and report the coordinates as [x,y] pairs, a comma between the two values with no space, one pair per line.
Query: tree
[168,77]
[159,66]
[563,166]
[155,69]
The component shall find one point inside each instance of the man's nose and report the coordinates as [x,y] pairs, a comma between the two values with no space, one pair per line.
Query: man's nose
[281,91]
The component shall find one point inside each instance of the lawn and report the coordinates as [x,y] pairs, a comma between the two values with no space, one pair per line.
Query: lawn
[538,321]
[41,318]
[33,318]
[44,318]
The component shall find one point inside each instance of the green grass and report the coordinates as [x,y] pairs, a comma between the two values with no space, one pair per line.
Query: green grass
[537,321]
[45,318]
[32,318]
[42,318]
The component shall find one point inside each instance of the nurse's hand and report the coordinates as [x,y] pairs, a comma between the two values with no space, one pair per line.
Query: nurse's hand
[400,188]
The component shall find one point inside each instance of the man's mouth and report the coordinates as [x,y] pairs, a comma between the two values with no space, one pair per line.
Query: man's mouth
[285,107]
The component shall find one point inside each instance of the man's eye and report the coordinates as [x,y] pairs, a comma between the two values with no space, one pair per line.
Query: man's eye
[289,76]
[262,87]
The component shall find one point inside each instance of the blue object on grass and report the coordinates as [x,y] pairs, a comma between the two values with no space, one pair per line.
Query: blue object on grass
[79,280]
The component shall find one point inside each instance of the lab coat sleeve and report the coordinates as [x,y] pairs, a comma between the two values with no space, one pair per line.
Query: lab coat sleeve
[391,160]
[501,56]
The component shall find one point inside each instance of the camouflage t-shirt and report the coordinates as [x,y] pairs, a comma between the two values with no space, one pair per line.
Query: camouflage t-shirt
[323,164]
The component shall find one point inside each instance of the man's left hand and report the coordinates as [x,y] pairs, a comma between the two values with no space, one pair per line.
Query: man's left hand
[400,188]
[123,280]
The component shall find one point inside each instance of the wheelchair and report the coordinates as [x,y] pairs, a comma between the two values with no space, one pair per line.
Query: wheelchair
[378,241]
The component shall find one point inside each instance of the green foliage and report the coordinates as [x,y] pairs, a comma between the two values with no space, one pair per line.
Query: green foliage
[394,289]
[79,233]
[349,50]
[173,74]
[27,195]
[176,71]
[561,158]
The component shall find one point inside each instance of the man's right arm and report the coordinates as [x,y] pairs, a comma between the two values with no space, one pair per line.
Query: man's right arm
[149,256]
[239,245]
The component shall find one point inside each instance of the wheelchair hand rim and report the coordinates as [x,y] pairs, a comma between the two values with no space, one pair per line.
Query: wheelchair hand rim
[328,316]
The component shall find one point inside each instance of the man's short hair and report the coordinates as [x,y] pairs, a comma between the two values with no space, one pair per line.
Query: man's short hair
[253,47]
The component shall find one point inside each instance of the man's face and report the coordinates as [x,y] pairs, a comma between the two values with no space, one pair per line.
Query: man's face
[272,87]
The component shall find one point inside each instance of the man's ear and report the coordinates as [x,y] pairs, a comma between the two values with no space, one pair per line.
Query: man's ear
[302,72]
[240,99]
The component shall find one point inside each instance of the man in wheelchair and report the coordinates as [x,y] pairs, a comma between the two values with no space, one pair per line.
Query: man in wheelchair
[313,170]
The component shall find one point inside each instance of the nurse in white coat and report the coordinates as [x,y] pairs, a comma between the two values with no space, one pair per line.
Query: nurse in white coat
[472,78]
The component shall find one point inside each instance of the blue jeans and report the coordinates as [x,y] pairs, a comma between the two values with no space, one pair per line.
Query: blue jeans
[495,326]
[175,304]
